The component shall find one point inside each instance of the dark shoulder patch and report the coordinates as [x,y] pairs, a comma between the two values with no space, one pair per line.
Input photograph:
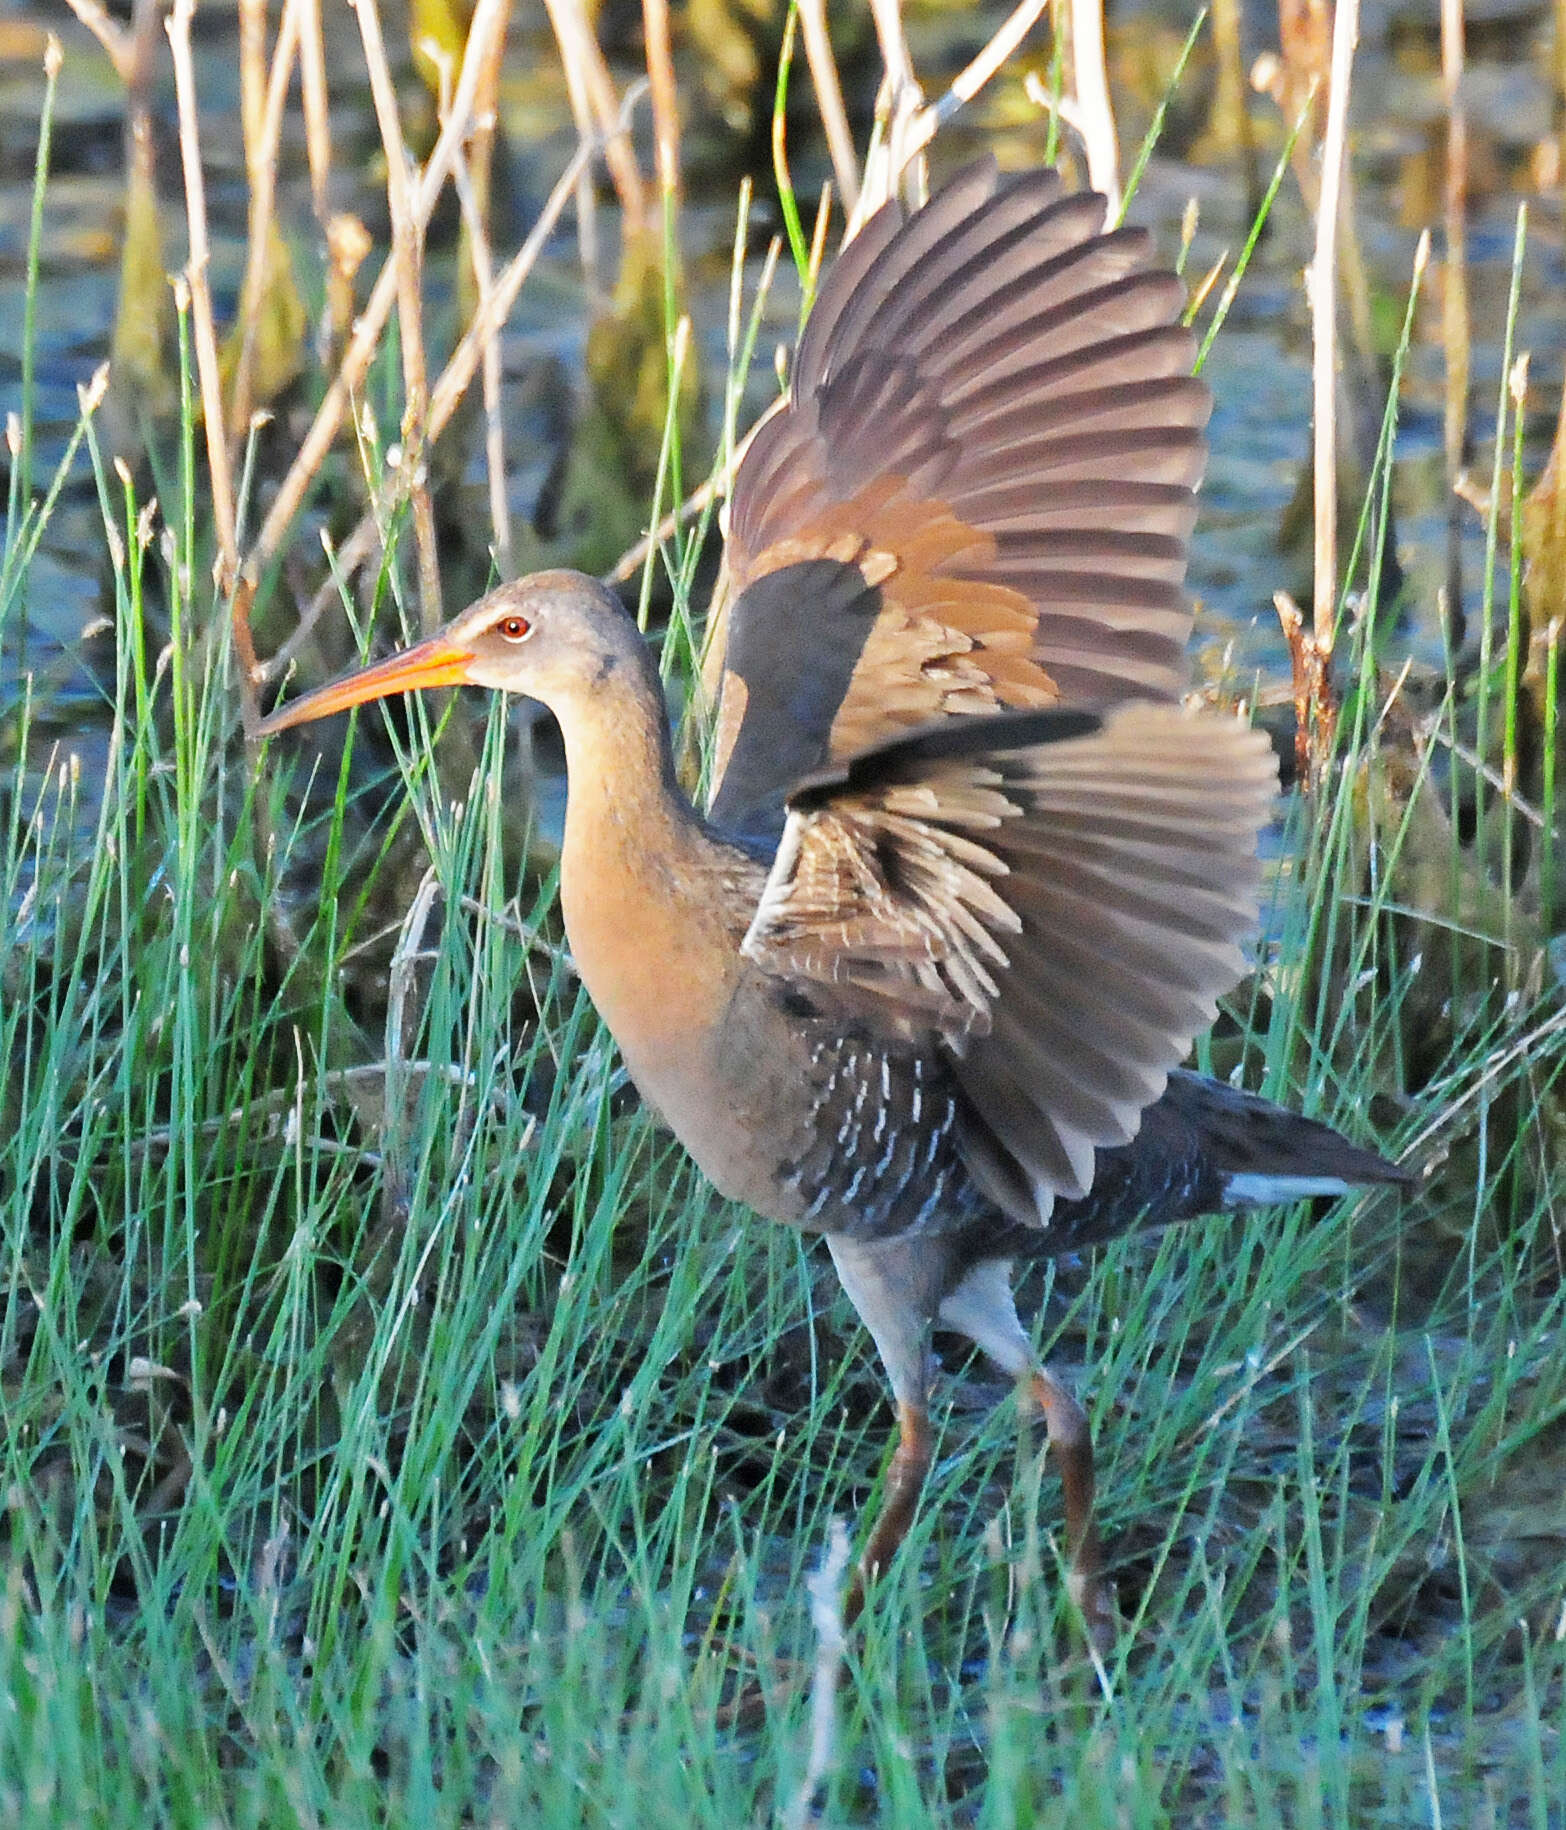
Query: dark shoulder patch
[795,637]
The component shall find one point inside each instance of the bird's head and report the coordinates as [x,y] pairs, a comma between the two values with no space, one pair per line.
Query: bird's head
[554,636]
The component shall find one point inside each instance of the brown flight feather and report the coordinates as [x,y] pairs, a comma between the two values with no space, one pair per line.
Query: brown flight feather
[982,346]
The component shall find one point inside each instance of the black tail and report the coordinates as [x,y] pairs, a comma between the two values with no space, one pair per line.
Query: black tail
[1205,1147]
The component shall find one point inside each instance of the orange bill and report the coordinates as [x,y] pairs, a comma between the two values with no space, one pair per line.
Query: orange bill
[436,662]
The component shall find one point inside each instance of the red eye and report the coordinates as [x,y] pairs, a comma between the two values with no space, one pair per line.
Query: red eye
[514,628]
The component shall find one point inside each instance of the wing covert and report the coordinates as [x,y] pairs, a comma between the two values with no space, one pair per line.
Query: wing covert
[1056,899]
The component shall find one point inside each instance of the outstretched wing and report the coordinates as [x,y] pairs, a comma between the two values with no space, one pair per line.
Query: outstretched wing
[977,495]
[1055,898]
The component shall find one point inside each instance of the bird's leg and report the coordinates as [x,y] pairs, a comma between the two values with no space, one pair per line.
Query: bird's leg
[894,1284]
[899,1502]
[980,1305]
[1071,1442]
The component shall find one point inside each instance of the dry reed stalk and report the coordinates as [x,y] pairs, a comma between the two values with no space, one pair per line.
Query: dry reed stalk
[1202,290]
[263,130]
[1305,51]
[1323,285]
[1558,84]
[476,222]
[252,66]
[343,561]
[445,395]
[972,78]
[219,476]
[897,107]
[1299,82]
[829,99]
[317,116]
[459,371]
[471,180]
[408,261]
[1455,321]
[1095,113]
[348,246]
[476,159]
[923,125]
[405,1000]
[136,347]
[585,68]
[634,558]
[146,15]
[116,40]
[1305,664]
[818,239]
[665,100]
[481,156]
[371,321]
[582,115]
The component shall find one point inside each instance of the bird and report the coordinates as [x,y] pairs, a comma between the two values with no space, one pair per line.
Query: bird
[972,874]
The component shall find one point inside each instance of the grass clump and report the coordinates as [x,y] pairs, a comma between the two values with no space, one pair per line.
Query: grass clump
[397,1430]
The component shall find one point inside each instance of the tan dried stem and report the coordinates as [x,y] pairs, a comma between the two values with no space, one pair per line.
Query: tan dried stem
[665,99]
[1202,290]
[818,239]
[582,115]
[886,164]
[1299,81]
[1305,51]
[475,162]
[978,72]
[585,69]
[145,18]
[1096,115]
[372,320]
[1063,106]
[263,128]
[480,157]
[317,114]
[474,219]
[1455,321]
[897,108]
[348,246]
[827,1617]
[343,562]
[634,558]
[1558,83]
[1324,325]
[494,308]
[1314,712]
[252,67]
[219,477]
[404,1006]
[829,99]
[407,256]
[115,39]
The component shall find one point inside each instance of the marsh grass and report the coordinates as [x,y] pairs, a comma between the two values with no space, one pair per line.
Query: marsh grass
[398,1431]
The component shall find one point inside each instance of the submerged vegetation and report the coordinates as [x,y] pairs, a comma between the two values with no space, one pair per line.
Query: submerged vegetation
[395,1427]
